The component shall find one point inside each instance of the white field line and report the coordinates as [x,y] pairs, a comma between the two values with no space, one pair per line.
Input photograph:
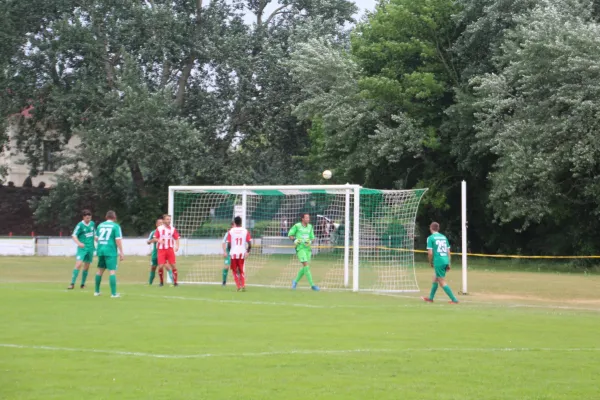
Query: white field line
[222,301]
[62,282]
[260,303]
[499,304]
[272,303]
[303,352]
[470,304]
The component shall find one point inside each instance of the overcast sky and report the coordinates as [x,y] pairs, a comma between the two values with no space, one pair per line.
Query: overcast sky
[365,5]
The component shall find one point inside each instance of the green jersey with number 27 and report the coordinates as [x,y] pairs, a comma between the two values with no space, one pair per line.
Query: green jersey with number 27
[441,249]
[108,232]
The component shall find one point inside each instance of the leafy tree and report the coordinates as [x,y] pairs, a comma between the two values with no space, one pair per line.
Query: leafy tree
[89,73]
[159,93]
[380,106]
[538,116]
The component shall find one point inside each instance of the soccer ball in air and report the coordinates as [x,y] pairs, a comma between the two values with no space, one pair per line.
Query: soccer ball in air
[327,174]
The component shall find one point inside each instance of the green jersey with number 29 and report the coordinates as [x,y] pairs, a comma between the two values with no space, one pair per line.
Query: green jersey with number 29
[441,249]
[108,232]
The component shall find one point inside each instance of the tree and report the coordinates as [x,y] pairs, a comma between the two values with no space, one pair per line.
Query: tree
[90,72]
[271,142]
[538,115]
[380,106]
[161,92]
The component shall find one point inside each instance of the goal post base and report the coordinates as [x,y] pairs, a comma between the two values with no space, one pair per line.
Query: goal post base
[340,289]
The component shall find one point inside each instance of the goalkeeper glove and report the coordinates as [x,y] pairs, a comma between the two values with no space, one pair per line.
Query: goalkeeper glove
[307,242]
[297,242]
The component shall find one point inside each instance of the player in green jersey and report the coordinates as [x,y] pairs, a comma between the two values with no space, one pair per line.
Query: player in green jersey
[154,257]
[83,236]
[110,246]
[302,234]
[438,252]
[226,256]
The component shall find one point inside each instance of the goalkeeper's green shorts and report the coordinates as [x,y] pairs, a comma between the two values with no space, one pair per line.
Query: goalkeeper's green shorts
[304,254]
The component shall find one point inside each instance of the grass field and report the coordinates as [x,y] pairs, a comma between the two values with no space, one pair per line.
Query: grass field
[516,336]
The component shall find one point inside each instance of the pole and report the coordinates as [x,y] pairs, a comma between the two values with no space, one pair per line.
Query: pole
[171,205]
[171,212]
[464,235]
[356,240]
[347,240]
[244,208]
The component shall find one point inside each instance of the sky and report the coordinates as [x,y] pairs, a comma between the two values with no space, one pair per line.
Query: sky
[363,5]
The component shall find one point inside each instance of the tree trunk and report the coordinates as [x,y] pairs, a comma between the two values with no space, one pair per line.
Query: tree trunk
[165,74]
[185,75]
[138,178]
[189,64]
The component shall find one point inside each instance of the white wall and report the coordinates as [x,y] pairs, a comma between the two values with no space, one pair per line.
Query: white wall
[17,247]
[64,246]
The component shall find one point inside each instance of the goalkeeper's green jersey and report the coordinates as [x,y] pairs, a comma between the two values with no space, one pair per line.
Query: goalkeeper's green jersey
[85,234]
[303,233]
[440,246]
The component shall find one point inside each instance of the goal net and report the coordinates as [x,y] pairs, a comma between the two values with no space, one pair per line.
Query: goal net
[364,238]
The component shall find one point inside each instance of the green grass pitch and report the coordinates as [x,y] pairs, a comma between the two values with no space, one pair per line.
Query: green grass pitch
[516,336]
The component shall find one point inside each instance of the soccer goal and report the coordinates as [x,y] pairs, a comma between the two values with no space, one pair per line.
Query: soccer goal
[364,238]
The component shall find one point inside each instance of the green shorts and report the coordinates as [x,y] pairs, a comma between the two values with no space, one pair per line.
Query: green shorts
[154,261]
[227,260]
[86,255]
[440,271]
[304,255]
[108,262]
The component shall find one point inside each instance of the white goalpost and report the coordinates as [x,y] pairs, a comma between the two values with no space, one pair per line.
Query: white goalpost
[464,247]
[364,238]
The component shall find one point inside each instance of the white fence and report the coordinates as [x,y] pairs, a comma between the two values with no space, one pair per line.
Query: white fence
[17,247]
[64,246]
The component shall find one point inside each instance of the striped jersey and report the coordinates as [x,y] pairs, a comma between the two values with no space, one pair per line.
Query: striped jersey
[166,235]
[238,237]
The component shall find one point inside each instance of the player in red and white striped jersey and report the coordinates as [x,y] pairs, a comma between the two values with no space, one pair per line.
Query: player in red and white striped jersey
[239,245]
[167,245]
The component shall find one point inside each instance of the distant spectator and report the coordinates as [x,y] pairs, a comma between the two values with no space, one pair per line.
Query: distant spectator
[284,227]
[41,185]
[11,184]
[28,183]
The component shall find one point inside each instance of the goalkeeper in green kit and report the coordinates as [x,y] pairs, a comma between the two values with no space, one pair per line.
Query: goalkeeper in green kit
[302,234]
[438,251]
